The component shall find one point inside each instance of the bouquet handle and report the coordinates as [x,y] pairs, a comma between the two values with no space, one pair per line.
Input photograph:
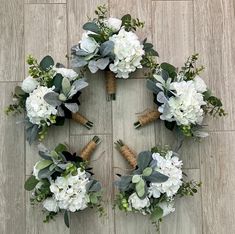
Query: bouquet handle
[127,153]
[147,118]
[79,118]
[87,151]
[110,85]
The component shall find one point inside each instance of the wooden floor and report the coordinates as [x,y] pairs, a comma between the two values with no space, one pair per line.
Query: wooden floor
[177,28]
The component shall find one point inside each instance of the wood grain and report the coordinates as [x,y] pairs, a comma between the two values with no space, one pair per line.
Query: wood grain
[45,1]
[12,199]
[218,195]
[173,34]
[187,217]
[88,221]
[46,28]
[11,40]
[215,42]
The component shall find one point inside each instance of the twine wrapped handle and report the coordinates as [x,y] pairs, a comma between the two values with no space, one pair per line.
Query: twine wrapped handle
[87,151]
[110,85]
[147,118]
[127,153]
[79,118]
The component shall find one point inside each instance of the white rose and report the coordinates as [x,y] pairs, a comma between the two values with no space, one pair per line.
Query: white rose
[29,84]
[114,24]
[138,203]
[51,205]
[88,44]
[167,207]
[199,84]
[68,73]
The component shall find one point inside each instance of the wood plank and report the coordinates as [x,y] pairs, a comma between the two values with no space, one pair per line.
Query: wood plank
[45,1]
[215,42]
[131,98]
[12,40]
[218,195]
[12,199]
[45,27]
[187,217]
[173,33]
[88,221]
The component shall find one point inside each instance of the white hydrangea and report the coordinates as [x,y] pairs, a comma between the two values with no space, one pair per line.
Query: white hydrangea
[51,205]
[113,23]
[65,72]
[185,107]
[167,207]
[88,44]
[170,166]
[37,108]
[199,84]
[128,53]
[138,203]
[70,192]
[29,84]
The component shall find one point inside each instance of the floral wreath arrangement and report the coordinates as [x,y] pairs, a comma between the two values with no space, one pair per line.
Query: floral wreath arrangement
[182,98]
[62,182]
[49,95]
[111,44]
[155,182]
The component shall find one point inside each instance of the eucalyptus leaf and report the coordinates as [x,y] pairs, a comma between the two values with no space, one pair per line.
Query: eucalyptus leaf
[43,164]
[52,99]
[102,63]
[31,183]
[32,133]
[57,82]
[60,148]
[44,155]
[66,218]
[147,171]
[91,26]
[106,48]
[136,179]
[45,173]
[124,183]
[95,186]
[156,177]
[75,62]
[92,66]
[66,86]
[73,107]
[93,198]
[46,63]
[140,188]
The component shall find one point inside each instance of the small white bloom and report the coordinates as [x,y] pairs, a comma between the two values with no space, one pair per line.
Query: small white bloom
[37,108]
[88,44]
[35,170]
[51,205]
[167,207]
[113,23]
[65,72]
[29,84]
[138,203]
[200,85]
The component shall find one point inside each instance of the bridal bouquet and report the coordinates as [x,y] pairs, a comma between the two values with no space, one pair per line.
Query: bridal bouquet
[155,182]
[62,182]
[49,95]
[182,98]
[112,45]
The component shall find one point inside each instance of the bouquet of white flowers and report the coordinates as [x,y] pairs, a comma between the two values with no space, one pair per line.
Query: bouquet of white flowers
[182,98]
[49,95]
[155,182]
[111,44]
[62,182]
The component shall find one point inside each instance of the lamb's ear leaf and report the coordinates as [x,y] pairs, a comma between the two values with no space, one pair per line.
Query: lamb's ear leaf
[91,26]
[151,85]
[31,183]
[156,177]
[73,107]
[46,63]
[52,98]
[144,159]
[43,164]
[140,188]
[102,63]
[32,133]
[66,218]
[106,48]
[66,86]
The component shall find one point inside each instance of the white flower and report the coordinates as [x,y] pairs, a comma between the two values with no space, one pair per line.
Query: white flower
[70,192]
[88,44]
[29,84]
[35,170]
[200,85]
[185,107]
[65,72]
[138,203]
[37,108]
[51,205]
[170,166]
[167,207]
[113,23]
[128,53]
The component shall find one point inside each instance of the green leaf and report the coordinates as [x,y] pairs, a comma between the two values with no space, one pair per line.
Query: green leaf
[43,164]
[93,198]
[91,26]
[31,183]
[106,48]
[147,171]
[66,218]
[60,148]
[140,188]
[126,19]
[168,67]
[52,98]
[31,133]
[124,183]
[136,179]
[45,173]
[157,213]
[144,158]
[156,177]
[57,81]
[66,86]
[46,63]
[19,91]
[170,125]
